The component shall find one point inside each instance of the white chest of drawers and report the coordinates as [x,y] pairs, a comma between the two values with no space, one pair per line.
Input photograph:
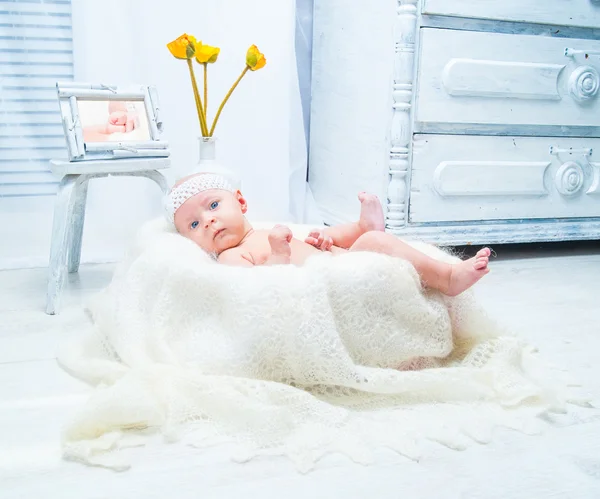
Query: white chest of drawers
[478,121]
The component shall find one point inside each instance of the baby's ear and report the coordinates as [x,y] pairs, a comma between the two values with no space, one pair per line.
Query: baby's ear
[242,200]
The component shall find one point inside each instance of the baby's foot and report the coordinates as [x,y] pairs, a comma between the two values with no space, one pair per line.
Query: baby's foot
[464,274]
[371,213]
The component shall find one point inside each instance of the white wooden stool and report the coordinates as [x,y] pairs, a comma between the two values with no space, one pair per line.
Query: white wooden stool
[69,211]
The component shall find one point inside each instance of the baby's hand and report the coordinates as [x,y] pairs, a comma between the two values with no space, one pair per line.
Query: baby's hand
[122,119]
[319,239]
[279,239]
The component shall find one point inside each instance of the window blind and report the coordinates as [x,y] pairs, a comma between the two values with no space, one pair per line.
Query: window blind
[36,51]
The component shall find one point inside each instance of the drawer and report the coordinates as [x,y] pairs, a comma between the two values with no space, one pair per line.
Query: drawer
[583,13]
[462,178]
[474,78]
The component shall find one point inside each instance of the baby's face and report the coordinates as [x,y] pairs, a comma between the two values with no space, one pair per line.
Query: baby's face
[213,219]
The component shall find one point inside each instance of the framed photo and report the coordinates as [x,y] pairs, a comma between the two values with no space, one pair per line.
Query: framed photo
[110,122]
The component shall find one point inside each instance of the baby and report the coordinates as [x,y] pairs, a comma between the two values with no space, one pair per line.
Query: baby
[208,210]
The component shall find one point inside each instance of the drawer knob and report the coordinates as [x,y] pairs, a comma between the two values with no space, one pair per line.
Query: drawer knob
[584,83]
[569,178]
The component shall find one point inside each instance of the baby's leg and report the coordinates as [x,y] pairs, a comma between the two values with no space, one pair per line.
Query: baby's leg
[371,219]
[450,279]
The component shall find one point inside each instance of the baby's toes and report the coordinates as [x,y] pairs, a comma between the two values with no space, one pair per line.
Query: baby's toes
[481,263]
[484,252]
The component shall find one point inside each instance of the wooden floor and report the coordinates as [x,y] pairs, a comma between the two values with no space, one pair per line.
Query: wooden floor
[549,295]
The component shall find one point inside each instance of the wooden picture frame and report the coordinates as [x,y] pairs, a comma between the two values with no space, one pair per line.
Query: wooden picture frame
[103,122]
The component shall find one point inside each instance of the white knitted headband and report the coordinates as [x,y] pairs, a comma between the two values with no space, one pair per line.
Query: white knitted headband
[191,187]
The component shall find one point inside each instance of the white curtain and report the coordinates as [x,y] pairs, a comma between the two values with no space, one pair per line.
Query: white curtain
[304,39]
[261,133]
[306,210]
[30,128]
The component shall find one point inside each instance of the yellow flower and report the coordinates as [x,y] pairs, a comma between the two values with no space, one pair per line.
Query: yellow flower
[206,53]
[255,59]
[184,47]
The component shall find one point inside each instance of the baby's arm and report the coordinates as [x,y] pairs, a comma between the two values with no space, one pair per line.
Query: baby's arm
[343,236]
[236,258]
[279,240]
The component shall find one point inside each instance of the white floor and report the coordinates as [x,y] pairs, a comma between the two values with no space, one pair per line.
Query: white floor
[551,299]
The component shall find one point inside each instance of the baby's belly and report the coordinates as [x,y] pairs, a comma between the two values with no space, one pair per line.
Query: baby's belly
[301,251]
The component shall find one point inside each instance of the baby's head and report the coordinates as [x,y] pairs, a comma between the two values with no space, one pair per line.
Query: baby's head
[206,209]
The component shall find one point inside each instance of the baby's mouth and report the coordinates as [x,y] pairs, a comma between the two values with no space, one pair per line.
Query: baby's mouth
[217,233]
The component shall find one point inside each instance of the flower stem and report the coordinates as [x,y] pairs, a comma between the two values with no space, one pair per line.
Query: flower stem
[212,128]
[205,91]
[201,117]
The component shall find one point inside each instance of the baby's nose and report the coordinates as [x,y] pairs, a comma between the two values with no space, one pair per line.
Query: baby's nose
[209,222]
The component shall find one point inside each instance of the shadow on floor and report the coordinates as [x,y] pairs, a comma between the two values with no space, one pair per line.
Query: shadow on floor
[534,250]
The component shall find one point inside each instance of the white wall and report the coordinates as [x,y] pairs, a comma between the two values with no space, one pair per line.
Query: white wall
[259,133]
[351,105]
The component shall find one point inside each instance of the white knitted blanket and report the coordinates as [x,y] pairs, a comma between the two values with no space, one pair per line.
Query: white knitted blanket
[344,354]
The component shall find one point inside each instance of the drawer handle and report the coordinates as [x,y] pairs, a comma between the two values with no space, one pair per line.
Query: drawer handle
[585,151]
[569,52]
[570,177]
[584,81]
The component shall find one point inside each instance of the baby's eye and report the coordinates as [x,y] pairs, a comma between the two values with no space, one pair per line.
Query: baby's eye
[214,205]
[194,224]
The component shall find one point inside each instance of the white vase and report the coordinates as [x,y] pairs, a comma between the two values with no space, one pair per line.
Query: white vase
[207,162]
